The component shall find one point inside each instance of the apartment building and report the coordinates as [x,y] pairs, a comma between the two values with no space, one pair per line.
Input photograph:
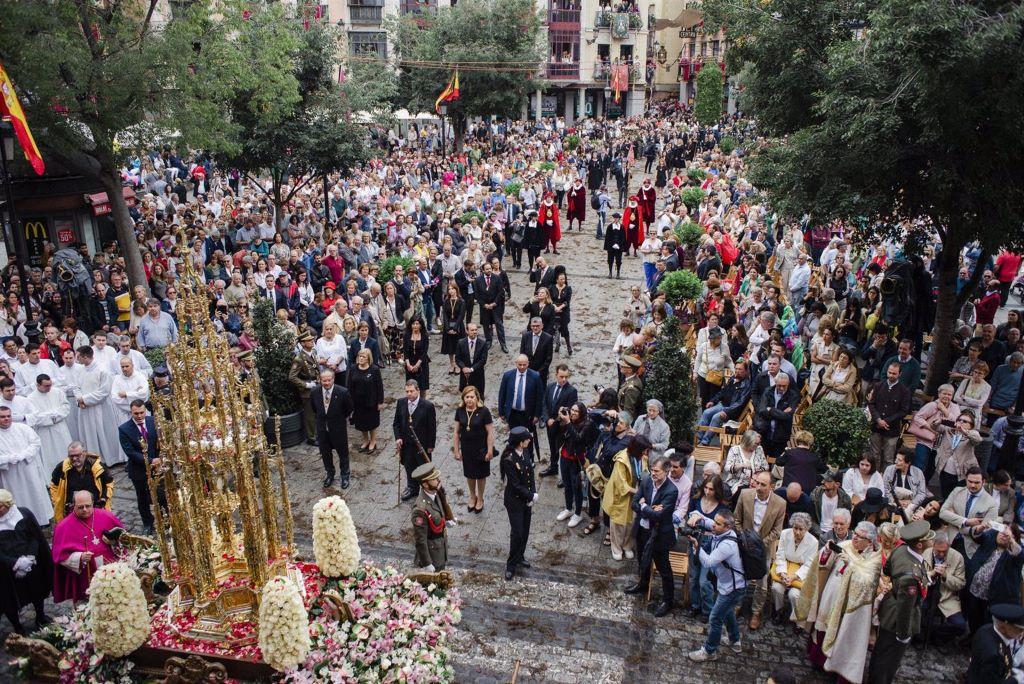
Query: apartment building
[680,47]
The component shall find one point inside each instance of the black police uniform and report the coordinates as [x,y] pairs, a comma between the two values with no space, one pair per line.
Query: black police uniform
[520,486]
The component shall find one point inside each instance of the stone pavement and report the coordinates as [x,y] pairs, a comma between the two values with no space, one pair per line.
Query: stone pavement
[566,619]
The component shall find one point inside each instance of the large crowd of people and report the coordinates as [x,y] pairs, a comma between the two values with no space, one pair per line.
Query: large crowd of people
[918,541]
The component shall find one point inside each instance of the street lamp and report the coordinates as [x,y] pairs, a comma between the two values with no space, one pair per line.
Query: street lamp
[444,112]
[17,232]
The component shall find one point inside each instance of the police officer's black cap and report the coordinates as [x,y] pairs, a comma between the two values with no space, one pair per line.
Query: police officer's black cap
[161,371]
[1008,612]
[518,434]
[616,215]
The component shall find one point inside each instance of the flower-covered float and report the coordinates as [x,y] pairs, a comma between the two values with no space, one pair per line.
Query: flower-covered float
[220,593]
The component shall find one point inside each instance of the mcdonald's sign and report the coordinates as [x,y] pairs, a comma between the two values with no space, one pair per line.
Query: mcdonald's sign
[36,235]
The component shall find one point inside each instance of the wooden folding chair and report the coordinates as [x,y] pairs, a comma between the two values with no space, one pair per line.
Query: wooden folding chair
[680,563]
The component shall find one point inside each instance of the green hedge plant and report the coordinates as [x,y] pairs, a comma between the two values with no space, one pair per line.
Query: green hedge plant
[274,353]
[667,366]
[387,267]
[680,286]
[841,432]
[696,174]
[689,233]
[692,197]
[727,144]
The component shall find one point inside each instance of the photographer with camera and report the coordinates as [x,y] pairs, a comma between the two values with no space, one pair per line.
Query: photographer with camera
[614,433]
[577,436]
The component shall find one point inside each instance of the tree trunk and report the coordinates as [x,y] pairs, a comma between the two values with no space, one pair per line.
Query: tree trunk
[128,243]
[946,315]
[278,203]
[458,133]
[327,205]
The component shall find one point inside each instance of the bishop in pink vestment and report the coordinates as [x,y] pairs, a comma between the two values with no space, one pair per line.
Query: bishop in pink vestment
[80,549]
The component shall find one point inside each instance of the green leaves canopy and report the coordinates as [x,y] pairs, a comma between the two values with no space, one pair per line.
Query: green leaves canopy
[707,106]
[841,432]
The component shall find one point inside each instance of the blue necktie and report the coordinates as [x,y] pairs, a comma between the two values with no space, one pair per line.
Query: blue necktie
[970,504]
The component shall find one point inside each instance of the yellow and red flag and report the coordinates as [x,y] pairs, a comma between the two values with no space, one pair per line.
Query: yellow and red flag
[11,109]
[450,93]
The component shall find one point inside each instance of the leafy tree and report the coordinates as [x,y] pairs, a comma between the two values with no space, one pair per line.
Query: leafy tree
[841,432]
[900,115]
[707,106]
[324,131]
[474,31]
[667,380]
[100,80]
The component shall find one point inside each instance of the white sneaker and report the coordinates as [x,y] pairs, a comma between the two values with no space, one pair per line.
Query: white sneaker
[575,520]
[564,515]
[630,555]
[701,656]
[736,646]
[616,555]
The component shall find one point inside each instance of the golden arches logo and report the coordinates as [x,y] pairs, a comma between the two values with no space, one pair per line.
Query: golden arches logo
[35,230]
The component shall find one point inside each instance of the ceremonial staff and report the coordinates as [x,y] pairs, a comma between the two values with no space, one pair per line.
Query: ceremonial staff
[448,514]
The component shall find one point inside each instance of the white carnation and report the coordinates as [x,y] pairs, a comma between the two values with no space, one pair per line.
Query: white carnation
[335,544]
[284,629]
[118,616]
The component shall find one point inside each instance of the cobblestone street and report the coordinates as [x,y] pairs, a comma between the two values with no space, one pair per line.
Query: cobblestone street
[566,619]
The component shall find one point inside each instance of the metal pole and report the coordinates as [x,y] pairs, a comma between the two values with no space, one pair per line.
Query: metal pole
[442,137]
[17,232]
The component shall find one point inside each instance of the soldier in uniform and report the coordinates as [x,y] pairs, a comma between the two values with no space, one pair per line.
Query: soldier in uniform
[303,375]
[899,614]
[520,495]
[995,645]
[429,523]
[631,389]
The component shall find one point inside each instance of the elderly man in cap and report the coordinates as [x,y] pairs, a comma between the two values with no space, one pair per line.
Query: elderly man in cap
[899,614]
[995,645]
[303,374]
[632,388]
[429,521]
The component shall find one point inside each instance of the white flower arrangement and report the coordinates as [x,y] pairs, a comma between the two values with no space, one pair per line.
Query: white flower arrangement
[118,616]
[284,628]
[335,544]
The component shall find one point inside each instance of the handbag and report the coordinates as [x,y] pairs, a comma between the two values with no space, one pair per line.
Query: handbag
[791,568]
[713,376]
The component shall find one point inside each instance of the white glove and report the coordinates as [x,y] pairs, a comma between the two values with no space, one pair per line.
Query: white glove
[535,497]
[310,385]
[23,566]
[451,523]
[429,568]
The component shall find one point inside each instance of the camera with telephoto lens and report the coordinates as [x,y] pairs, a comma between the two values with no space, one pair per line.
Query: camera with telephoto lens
[687,530]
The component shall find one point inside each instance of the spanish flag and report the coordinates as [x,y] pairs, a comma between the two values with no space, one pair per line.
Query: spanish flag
[450,93]
[11,109]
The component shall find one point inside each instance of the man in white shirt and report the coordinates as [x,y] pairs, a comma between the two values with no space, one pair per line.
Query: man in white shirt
[19,406]
[97,428]
[21,471]
[25,376]
[139,362]
[799,280]
[50,410]
[102,353]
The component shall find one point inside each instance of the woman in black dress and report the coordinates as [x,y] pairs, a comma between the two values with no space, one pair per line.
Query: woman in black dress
[473,444]
[561,296]
[453,324]
[415,350]
[367,391]
[540,306]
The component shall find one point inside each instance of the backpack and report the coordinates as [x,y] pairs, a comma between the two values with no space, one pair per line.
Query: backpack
[752,554]
[595,201]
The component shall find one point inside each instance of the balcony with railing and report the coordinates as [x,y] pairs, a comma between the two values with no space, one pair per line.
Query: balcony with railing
[365,15]
[563,16]
[603,19]
[603,73]
[563,71]
[417,6]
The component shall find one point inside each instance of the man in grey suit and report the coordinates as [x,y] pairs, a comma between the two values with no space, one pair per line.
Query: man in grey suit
[966,507]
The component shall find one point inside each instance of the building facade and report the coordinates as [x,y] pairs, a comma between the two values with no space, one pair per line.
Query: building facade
[680,47]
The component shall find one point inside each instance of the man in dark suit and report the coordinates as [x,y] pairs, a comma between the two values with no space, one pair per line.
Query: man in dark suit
[490,293]
[765,380]
[415,429]
[333,407]
[471,359]
[654,503]
[992,648]
[521,397]
[269,290]
[130,434]
[542,275]
[774,417]
[222,243]
[465,279]
[888,404]
[558,395]
[539,347]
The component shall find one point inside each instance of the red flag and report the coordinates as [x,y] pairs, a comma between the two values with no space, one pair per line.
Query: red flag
[11,109]
[450,93]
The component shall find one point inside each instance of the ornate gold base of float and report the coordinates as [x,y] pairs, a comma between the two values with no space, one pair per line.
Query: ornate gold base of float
[171,666]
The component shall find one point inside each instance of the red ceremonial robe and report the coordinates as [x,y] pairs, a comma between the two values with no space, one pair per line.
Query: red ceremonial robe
[633,225]
[547,219]
[74,536]
[577,203]
[647,197]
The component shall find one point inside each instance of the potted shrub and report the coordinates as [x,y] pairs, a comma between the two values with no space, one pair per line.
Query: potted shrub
[681,286]
[692,197]
[572,142]
[841,432]
[695,174]
[387,267]
[274,353]
[470,214]
[689,234]
[662,380]
[727,144]
[546,165]
[512,189]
